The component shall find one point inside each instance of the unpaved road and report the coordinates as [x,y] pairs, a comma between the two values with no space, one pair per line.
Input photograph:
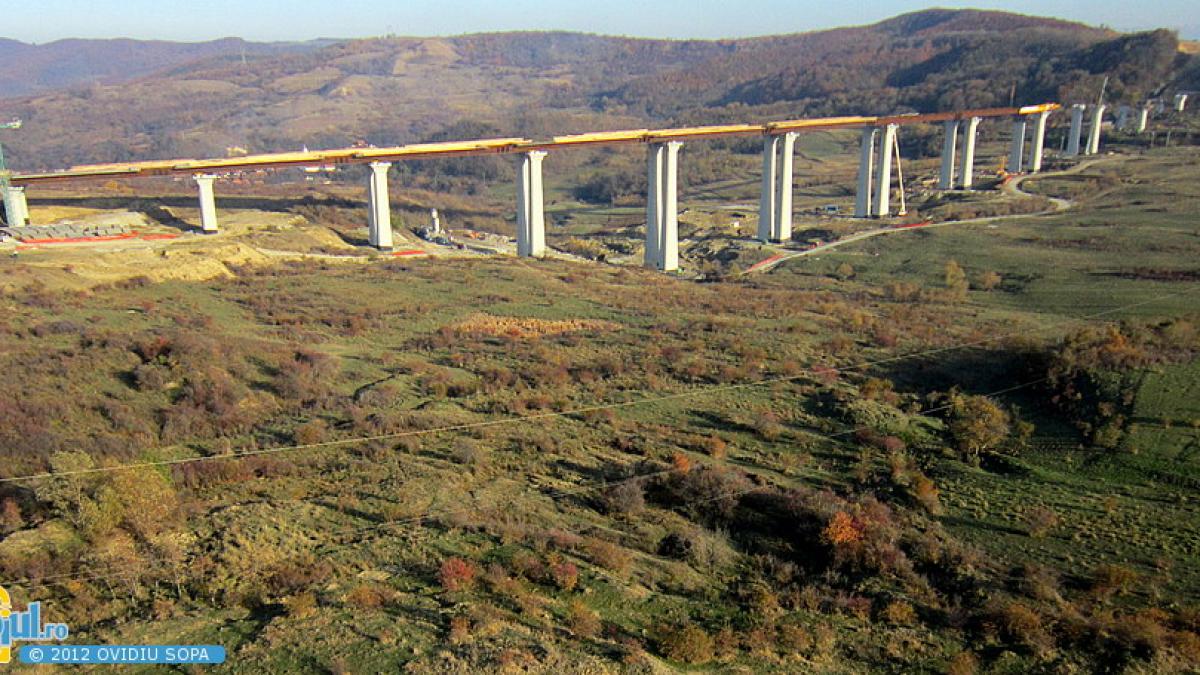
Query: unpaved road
[1012,187]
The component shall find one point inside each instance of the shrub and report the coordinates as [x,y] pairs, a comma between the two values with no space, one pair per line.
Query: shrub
[457,574]
[989,280]
[689,644]
[963,663]
[1110,579]
[301,605]
[625,497]
[608,556]
[460,629]
[366,596]
[1040,520]
[899,613]
[926,494]
[310,432]
[977,424]
[582,621]
[565,575]
[467,452]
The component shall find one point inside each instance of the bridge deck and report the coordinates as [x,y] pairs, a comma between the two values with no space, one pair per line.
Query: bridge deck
[493,146]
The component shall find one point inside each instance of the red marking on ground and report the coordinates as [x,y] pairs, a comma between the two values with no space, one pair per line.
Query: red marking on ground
[768,261]
[80,240]
[156,237]
[410,252]
[923,223]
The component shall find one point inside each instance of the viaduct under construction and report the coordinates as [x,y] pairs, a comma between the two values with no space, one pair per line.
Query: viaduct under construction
[876,168]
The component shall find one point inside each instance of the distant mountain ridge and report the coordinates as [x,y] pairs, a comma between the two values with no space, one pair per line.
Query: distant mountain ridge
[396,90]
[32,68]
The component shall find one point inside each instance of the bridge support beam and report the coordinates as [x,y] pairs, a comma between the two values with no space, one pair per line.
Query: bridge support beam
[16,210]
[379,228]
[1143,119]
[1093,145]
[1016,156]
[775,205]
[1076,133]
[1038,142]
[531,220]
[949,145]
[770,176]
[883,189]
[866,174]
[966,174]
[1181,102]
[662,207]
[208,203]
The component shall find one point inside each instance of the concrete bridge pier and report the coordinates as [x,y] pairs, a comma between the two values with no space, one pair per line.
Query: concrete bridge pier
[1181,102]
[949,145]
[662,206]
[208,203]
[866,169]
[1143,119]
[883,189]
[1076,132]
[1016,157]
[770,175]
[1093,145]
[1039,141]
[775,206]
[16,209]
[967,168]
[379,228]
[531,220]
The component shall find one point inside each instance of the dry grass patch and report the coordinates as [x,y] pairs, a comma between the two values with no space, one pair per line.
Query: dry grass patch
[526,328]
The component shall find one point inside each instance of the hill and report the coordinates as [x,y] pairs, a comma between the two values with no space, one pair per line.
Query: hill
[392,90]
[32,68]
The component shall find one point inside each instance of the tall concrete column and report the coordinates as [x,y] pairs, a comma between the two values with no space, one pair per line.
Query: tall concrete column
[966,174]
[654,179]
[16,211]
[379,233]
[883,190]
[766,203]
[866,170]
[531,220]
[783,216]
[1143,119]
[1016,156]
[1076,132]
[208,203]
[662,207]
[949,144]
[1038,142]
[1093,145]
[1181,102]
[669,247]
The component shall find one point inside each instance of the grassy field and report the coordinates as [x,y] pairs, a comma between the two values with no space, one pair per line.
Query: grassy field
[544,465]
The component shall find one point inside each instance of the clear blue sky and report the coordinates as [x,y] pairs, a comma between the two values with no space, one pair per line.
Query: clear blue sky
[46,20]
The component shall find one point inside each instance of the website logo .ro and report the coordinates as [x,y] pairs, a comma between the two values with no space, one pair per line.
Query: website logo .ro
[25,626]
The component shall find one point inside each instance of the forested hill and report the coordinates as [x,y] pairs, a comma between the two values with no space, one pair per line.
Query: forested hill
[933,60]
[395,90]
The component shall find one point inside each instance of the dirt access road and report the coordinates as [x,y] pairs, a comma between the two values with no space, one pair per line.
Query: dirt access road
[1012,187]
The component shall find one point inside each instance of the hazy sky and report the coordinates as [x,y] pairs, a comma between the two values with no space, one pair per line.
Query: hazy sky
[46,20]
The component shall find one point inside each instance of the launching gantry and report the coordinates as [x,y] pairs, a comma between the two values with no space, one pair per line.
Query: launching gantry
[879,146]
